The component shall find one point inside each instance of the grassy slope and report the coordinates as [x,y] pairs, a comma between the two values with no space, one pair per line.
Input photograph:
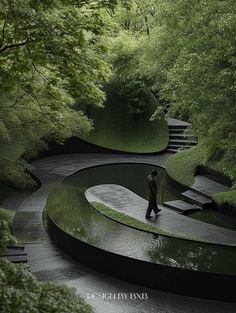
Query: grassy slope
[116,128]
[182,167]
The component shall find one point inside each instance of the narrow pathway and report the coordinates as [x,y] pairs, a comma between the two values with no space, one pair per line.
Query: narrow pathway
[121,199]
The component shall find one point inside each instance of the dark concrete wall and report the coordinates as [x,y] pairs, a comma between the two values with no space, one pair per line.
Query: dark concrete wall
[77,145]
[166,278]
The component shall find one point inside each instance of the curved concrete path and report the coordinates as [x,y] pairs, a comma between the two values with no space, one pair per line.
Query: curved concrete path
[122,199]
[48,263]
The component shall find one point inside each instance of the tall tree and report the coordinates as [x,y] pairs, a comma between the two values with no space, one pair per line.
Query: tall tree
[51,63]
[191,56]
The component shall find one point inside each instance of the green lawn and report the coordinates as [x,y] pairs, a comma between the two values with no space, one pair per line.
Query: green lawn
[116,128]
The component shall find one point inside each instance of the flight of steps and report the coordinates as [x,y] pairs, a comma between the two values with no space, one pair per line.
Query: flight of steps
[181,207]
[178,140]
[199,195]
[190,201]
[15,254]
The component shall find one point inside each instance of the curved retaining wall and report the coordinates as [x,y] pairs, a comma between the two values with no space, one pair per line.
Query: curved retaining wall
[166,278]
[77,145]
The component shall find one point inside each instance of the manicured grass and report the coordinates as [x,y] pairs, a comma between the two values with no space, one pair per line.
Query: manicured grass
[182,166]
[133,222]
[116,128]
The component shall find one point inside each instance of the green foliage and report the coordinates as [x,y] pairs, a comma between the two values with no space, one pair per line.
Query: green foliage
[229,198]
[13,169]
[190,56]
[51,62]
[20,292]
[6,219]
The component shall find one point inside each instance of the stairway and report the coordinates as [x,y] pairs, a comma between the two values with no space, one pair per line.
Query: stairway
[178,140]
[193,197]
[190,201]
[15,254]
[181,207]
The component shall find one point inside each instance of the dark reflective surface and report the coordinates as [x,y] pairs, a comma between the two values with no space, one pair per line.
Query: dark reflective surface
[132,176]
[70,210]
[214,217]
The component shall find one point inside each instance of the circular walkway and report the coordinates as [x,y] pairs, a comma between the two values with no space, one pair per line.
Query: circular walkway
[47,262]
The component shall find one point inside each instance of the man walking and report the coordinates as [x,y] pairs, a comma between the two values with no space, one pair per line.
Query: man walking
[152,205]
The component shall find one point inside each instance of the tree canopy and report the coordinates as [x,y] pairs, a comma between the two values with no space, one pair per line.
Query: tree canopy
[187,61]
[51,62]
[56,55]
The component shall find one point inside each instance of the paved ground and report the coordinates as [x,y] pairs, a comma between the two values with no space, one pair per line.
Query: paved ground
[126,201]
[47,262]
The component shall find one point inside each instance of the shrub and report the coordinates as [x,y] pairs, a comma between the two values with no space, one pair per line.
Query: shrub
[20,292]
[6,218]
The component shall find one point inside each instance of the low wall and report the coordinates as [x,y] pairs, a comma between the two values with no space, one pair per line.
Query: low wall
[157,276]
[77,145]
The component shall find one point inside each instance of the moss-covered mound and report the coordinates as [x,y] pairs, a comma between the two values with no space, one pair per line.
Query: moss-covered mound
[115,127]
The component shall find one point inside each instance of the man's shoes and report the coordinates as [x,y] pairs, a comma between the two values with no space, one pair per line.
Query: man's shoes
[148,217]
[157,211]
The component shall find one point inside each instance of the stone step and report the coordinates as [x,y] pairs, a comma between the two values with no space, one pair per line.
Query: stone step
[172,151]
[195,198]
[181,136]
[183,142]
[15,254]
[176,146]
[181,206]
[12,252]
[178,126]
[16,258]
[207,187]
[15,247]
[176,130]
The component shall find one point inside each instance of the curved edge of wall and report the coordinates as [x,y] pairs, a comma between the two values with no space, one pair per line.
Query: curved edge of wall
[78,145]
[165,278]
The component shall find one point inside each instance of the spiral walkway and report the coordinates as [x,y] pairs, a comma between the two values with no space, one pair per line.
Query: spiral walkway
[47,262]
